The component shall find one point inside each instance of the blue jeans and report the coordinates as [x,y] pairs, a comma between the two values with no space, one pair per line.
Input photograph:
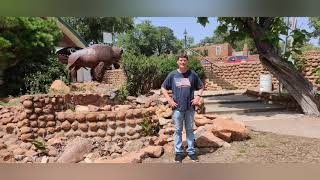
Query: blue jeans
[178,118]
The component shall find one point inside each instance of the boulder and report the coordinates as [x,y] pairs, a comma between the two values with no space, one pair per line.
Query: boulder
[55,141]
[80,108]
[134,145]
[153,151]
[59,86]
[202,121]
[164,121]
[133,157]
[204,138]
[223,126]
[167,113]
[93,108]
[141,99]
[75,150]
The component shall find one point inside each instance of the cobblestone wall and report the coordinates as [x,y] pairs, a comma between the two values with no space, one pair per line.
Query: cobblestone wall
[243,75]
[247,75]
[115,77]
[43,115]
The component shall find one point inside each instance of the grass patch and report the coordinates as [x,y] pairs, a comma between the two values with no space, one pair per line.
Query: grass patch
[261,146]
[13,102]
[242,151]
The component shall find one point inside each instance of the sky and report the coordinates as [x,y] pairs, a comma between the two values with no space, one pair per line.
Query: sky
[196,30]
[180,24]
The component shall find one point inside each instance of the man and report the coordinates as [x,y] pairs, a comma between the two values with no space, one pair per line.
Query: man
[183,83]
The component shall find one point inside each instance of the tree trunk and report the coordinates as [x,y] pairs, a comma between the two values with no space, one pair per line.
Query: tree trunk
[296,84]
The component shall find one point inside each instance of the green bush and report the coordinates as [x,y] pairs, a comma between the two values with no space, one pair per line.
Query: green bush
[140,71]
[144,73]
[166,65]
[122,93]
[197,67]
[35,77]
[26,44]
[149,128]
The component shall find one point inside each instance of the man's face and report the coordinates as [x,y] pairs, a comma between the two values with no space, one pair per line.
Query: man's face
[182,62]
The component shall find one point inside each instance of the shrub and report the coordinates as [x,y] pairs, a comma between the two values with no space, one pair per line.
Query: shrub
[149,128]
[166,65]
[197,67]
[41,144]
[122,93]
[140,71]
[144,73]
[39,77]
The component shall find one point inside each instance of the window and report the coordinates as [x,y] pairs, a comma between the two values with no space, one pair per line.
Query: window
[218,51]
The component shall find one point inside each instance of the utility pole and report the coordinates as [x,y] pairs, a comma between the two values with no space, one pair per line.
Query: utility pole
[185,38]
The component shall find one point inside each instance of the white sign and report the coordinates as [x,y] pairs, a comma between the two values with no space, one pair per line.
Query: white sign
[107,38]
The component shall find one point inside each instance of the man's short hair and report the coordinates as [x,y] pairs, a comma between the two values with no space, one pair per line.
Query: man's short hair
[182,55]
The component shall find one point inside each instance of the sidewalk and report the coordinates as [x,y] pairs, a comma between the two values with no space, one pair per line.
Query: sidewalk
[286,123]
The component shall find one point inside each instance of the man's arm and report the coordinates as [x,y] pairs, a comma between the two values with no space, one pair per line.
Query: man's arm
[201,91]
[169,99]
[197,99]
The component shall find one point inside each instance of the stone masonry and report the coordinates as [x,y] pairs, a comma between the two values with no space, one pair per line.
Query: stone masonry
[246,75]
[42,115]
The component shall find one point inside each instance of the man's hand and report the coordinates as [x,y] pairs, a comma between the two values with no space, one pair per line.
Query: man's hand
[196,101]
[172,103]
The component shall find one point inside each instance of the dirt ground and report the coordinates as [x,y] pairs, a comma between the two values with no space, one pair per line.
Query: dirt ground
[261,148]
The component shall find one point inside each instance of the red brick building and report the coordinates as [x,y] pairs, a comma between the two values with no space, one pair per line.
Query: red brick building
[219,52]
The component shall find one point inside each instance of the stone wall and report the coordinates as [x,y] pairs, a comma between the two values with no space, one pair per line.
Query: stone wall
[115,77]
[311,63]
[242,75]
[42,115]
[247,75]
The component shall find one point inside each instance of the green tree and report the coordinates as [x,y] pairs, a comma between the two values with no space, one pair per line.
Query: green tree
[315,23]
[215,39]
[149,40]
[221,37]
[91,28]
[309,47]
[266,31]
[190,42]
[25,43]
[238,45]
[165,40]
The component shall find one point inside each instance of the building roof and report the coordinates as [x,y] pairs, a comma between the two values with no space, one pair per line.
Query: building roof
[71,34]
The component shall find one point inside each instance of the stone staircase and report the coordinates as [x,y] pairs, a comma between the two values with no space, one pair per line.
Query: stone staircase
[237,103]
[215,83]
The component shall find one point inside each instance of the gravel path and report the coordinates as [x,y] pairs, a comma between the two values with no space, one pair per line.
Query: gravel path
[261,148]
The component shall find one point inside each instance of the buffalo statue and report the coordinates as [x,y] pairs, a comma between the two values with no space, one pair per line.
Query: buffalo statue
[98,57]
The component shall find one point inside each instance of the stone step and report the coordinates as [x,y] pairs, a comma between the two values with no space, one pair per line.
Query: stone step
[221,92]
[212,95]
[235,98]
[241,108]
